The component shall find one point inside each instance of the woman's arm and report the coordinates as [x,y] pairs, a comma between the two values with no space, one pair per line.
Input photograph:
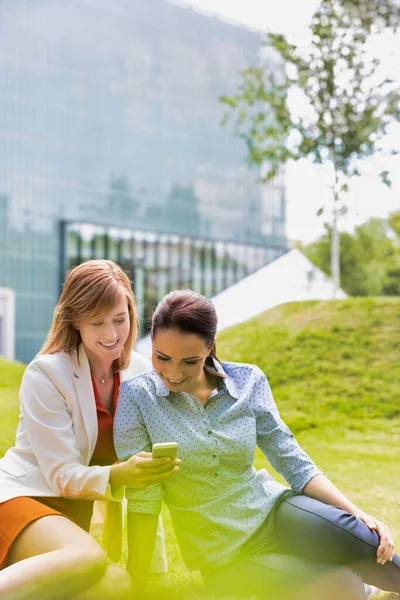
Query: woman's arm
[280,447]
[144,504]
[53,439]
[321,488]
[142,470]
[275,439]
[51,432]
[132,442]
[142,529]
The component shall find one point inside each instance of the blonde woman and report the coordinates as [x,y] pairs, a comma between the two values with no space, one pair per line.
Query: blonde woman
[64,455]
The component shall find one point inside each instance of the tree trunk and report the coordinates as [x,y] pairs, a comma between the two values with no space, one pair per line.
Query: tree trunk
[335,247]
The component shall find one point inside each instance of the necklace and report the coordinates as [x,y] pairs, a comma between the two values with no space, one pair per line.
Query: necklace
[103,378]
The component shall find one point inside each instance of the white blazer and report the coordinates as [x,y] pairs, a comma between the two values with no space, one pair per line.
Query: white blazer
[57,431]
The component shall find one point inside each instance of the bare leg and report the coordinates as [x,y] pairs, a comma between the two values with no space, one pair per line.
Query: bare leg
[52,559]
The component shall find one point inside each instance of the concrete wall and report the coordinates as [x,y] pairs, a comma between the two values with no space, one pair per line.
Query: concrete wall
[7,323]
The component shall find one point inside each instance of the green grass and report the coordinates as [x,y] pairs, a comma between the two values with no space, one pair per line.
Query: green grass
[10,378]
[334,369]
[326,362]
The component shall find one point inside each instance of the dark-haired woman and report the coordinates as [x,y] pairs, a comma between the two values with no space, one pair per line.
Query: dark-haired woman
[246,532]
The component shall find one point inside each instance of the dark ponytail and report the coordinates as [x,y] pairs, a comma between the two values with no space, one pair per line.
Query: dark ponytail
[209,364]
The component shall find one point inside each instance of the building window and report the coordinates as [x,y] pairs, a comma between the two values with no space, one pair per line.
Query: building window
[158,263]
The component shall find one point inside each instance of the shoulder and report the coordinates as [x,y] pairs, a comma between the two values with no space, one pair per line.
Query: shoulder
[243,377]
[47,374]
[138,365]
[143,386]
[49,365]
[242,371]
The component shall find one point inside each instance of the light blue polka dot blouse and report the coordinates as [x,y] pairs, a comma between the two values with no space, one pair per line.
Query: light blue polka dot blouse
[217,500]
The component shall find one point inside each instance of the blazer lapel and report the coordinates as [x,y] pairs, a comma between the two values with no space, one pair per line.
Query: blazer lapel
[84,391]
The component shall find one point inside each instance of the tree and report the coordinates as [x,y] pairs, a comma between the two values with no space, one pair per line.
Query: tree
[392,278]
[348,105]
[374,14]
[394,224]
[370,261]
[351,263]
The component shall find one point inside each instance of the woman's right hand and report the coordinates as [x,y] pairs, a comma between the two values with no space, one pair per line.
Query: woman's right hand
[142,470]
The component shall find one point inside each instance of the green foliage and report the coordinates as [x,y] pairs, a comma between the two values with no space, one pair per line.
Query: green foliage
[10,377]
[394,223]
[374,14]
[349,105]
[391,285]
[370,258]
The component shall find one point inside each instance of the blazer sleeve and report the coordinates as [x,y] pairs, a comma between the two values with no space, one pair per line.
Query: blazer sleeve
[50,431]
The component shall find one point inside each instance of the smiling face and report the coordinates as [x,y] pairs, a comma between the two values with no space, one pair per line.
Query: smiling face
[104,336]
[178,359]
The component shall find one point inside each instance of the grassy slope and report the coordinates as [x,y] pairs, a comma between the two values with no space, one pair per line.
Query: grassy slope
[326,361]
[335,372]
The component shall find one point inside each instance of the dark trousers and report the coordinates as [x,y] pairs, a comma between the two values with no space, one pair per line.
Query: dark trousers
[304,540]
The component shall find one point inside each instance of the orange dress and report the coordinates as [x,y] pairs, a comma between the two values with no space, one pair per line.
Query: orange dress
[17,513]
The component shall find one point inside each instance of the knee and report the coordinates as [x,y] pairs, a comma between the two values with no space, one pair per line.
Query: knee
[344,583]
[352,583]
[116,583]
[98,563]
[89,561]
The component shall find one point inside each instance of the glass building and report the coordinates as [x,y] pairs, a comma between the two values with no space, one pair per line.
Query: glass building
[111,145]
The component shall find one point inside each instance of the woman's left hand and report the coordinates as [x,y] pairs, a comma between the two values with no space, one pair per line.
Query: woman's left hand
[386,549]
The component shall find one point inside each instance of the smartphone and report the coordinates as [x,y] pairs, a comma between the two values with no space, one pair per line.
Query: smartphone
[165,449]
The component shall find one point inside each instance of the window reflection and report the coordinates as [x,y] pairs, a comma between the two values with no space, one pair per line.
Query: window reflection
[157,264]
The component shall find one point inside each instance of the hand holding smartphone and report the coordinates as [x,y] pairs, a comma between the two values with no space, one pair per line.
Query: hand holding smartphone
[165,450]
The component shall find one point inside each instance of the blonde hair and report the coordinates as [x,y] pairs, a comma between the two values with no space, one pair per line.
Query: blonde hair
[91,290]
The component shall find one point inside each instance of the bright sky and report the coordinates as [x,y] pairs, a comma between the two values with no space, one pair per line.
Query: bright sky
[307,186]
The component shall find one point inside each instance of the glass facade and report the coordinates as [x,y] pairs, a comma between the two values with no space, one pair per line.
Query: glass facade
[110,119]
[158,263]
